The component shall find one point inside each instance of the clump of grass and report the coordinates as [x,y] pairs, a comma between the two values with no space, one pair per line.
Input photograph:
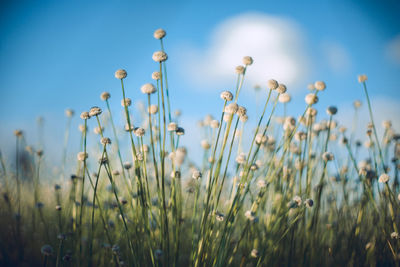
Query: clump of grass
[286,192]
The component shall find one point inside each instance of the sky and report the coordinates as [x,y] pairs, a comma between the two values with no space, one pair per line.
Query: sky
[63,54]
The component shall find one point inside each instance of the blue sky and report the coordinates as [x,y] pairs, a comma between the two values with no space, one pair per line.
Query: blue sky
[59,54]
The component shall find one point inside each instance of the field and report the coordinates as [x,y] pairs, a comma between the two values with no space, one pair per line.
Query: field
[291,191]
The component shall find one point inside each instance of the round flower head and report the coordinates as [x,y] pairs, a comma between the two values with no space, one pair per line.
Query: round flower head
[95,111]
[362,78]
[139,132]
[387,124]
[241,111]
[160,56]
[311,87]
[239,69]
[105,141]
[320,85]
[172,126]
[357,104]
[331,110]
[121,74]
[219,216]
[156,75]
[82,128]
[85,115]
[127,165]
[180,131]
[196,175]
[69,113]
[98,130]
[159,34]
[261,184]
[261,139]
[384,178]
[241,158]
[244,118]
[281,88]
[232,108]
[105,96]
[214,124]
[327,156]
[227,96]
[126,103]
[254,253]
[309,202]
[284,98]
[153,109]
[39,153]
[247,60]
[311,99]
[148,88]
[272,84]
[82,156]
[18,133]
[395,235]
[47,250]
[205,144]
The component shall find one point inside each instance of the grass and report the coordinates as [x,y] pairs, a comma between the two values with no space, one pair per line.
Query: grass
[288,192]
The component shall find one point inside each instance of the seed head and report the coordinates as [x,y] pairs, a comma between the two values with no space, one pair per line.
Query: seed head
[214,124]
[357,104]
[105,96]
[82,156]
[148,88]
[384,178]
[95,111]
[81,127]
[395,235]
[160,56]
[311,87]
[362,78]
[387,124]
[127,165]
[320,85]
[39,153]
[159,34]
[172,127]
[196,175]
[69,112]
[126,102]
[261,139]
[241,111]
[331,110]
[98,130]
[281,88]
[227,96]
[156,75]
[139,132]
[244,118]
[247,60]
[58,207]
[121,74]
[85,115]
[273,84]
[180,131]
[205,144]
[129,129]
[284,98]
[105,141]
[232,108]
[153,109]
[18,133]
[239,69]
[311,99]
[327,156]
[309,202]
[254,253]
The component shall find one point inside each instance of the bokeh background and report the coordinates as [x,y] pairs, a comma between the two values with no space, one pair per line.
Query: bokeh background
[63,54]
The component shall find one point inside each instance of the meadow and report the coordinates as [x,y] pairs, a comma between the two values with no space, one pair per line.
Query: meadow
[291,191]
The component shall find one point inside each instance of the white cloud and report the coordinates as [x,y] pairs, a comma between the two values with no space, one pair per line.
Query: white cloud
[275,43]
[393,49]
[336,57]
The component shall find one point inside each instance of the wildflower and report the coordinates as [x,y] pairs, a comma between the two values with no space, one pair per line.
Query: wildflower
[82,156]
[127,165]
[81,127]
[39,153]
[331,110]
[160,56]
[297,200]
[159,34]
[241,158]
[176,174]
[214,124]
[241,111]
[311,99]
[219,216]
[311,87]
[261,139]
[272,84]
[232,108]
[320,85]
[387,124]
[105,141]
[309,202]
[98,130]
[281,88]
[247,60]
[172,127]
[121,74]
[153,109]
[357,104]
[139,132]
[105,96]
[254,253]
[156,75]
[384,178]
[196,175]
[180,131]
[148,88]
[261,184]
[251,216]
[126,102]
[47,250]
[327,156]
[244,118]
[129,129]
[362,78]
[85,115]
[226,95]
[284,98]
[239,69]
[69,113]
[394,235]
[205,144]
[95,111]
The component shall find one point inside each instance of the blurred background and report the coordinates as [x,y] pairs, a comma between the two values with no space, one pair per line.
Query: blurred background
[63,54]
